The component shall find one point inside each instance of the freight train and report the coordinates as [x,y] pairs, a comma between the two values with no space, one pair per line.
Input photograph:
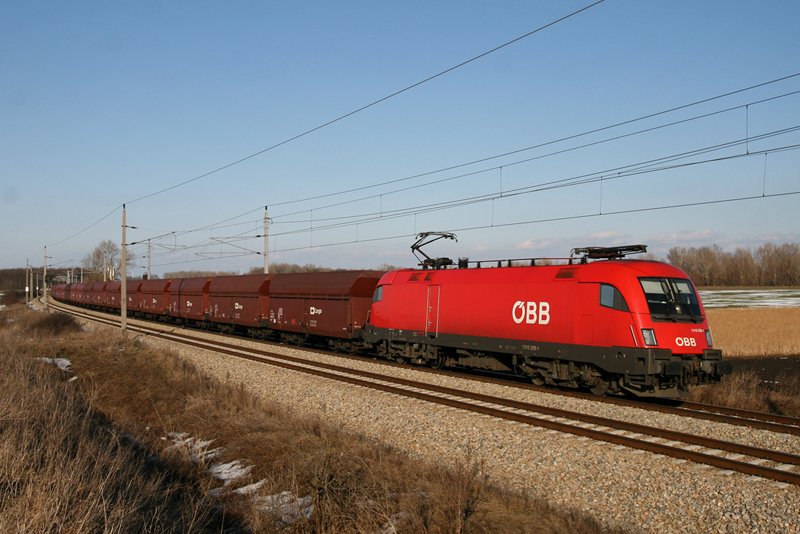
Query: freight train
[596,320]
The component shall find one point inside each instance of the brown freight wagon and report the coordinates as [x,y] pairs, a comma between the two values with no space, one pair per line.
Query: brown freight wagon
[94,293]
[77,292]
[154,297]
[241,301]
[188,299]
[333,304]
[59,292]
[132,291]
[74,292]
[111,295]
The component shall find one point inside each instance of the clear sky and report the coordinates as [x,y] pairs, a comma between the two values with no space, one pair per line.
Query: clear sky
[104,103]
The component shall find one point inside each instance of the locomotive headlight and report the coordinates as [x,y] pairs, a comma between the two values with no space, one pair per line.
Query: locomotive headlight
[709,339]
[649,336]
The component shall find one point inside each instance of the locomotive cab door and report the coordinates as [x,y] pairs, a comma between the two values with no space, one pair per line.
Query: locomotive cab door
[432,311]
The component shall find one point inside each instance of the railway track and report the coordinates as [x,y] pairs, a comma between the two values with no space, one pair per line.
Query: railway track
[755,461]
[709,412]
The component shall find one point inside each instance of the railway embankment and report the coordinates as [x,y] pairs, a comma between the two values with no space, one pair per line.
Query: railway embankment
[167,407]
[620,487]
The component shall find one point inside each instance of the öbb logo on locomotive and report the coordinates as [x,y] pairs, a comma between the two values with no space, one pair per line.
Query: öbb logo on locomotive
[531,312]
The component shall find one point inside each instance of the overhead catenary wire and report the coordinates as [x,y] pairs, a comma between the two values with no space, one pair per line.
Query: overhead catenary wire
[318,219]
[642,170]
[538,157]
[407,235]
[371,104]
[276,218]
[553,141]
[341,117]
[609,173]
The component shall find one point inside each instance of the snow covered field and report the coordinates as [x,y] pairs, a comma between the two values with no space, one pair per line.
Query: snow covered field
[750,298]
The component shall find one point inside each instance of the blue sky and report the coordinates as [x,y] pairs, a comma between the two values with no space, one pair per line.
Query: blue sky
[105,103]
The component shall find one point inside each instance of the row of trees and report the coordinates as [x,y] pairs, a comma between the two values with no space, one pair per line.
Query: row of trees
[768,265]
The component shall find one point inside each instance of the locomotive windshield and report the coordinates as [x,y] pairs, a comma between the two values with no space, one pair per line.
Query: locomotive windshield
[671,299]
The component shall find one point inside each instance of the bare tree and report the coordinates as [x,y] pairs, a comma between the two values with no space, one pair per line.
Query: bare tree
[741,268]
[769,265]
[780,264]
[105,259]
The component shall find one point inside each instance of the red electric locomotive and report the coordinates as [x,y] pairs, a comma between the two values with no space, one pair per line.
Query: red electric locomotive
[607,325]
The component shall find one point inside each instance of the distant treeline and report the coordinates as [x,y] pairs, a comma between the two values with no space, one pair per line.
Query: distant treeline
[768,265]
[278,268]
[274,268]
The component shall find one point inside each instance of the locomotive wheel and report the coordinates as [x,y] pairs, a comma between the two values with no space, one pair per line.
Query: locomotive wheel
[436,362]
[600,387]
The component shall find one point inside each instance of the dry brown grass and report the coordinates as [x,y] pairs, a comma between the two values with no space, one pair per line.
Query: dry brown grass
[747,332]
[747,391]
[754,332]
[63,466]
[356,485]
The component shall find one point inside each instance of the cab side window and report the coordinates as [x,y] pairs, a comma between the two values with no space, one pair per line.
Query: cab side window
[378,295]
[610,297]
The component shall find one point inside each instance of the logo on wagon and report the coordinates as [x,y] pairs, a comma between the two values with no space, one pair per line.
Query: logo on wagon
[314,311]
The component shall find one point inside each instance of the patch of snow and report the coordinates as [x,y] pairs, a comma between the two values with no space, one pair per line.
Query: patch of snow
[750,298]
[197,449]
[62,363]
[250,488]
[287,507]
[230,471]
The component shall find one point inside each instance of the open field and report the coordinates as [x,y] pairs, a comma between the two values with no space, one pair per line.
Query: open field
[127,449]
[765,333]
[750,297]
[756,332]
